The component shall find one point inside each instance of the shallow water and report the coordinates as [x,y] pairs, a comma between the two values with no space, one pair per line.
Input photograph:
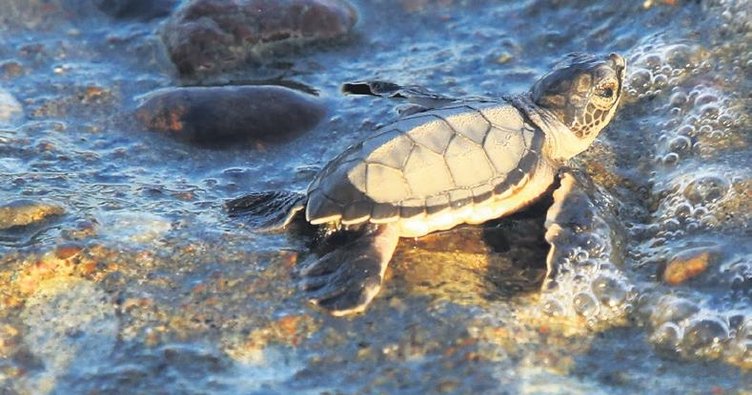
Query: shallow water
[144,284]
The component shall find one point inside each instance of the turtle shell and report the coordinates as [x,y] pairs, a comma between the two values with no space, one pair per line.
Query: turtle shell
[437,161]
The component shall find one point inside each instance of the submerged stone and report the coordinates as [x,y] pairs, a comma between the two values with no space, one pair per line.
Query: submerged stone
[214,34]
[136,9]
[26,212]
[230,114]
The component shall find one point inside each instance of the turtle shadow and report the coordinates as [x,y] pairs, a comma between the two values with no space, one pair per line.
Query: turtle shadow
[514,245]
[518,252]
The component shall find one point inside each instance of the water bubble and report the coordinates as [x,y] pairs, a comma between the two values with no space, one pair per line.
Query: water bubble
[671,224]
[660,81]
[585,304]
[739,282]
[678,99]
[710,111]
[641,79]
[686,130]
[743,352]
[589,266]
[551,285]
[653,61]
[704,333]
[692,226]
[671,309]
[683,211]
[610,291]
[700,212]
[745,331]
[552,307]
[679,57]
[658,241]
[725,120]
[670,159]
[680,145]
[706,189]
[741,279]
[595,244]
[706,99]
[666,337]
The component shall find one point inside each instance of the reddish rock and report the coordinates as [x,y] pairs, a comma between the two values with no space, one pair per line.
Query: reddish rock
[687,265]
[68,250]
[230,114]
[219,34]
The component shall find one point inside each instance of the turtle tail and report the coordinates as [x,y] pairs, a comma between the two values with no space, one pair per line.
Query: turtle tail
[267,211]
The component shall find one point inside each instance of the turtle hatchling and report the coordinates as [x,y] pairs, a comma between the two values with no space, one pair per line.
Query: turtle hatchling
[452,162]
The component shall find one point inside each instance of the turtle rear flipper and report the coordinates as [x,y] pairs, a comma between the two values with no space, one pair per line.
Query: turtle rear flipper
[267,211]
[345,280]
[420,98]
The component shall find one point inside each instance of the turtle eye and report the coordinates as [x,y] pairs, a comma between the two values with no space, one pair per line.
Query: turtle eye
[605,92]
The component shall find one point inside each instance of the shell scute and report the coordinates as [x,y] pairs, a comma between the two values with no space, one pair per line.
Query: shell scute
[427,173]
[467,162]
[385,184]
[504,148]
[435,134]
[393,152]
[460,197]
[467,122]
[384,212]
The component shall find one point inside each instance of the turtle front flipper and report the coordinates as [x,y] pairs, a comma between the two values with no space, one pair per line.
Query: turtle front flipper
[345,280]
[586,276]
[267,211]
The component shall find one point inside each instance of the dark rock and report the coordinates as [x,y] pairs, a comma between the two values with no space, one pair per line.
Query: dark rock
[230,114]
[216,34]
[26,212]
[136,9]
[11,69]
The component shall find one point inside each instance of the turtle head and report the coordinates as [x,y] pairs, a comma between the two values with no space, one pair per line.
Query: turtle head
[582,92]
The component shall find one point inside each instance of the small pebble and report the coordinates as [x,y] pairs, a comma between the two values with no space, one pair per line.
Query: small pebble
[687,265]
[68,250]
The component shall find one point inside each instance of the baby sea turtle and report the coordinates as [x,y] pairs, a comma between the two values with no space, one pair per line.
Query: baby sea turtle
[462,162]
